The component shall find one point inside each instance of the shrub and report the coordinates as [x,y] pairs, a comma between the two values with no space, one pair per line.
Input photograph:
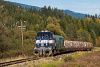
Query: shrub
[68,58]
[10,53]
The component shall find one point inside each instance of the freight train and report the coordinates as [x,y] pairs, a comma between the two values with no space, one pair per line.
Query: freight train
[49,44]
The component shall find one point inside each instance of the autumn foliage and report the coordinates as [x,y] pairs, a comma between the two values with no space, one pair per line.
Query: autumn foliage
[52,19]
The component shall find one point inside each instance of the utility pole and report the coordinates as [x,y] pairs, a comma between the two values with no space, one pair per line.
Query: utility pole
[22,39]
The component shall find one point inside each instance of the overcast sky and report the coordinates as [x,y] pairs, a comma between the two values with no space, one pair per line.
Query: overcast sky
[82,6]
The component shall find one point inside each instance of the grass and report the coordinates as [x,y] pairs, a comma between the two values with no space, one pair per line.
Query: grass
[71,58]
[80,54]
[52,64]
[74,56]
[85,59]
[77,59]
[68,58]
[96,49]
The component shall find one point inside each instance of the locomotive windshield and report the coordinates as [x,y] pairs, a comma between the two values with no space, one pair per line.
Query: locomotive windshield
[44,35]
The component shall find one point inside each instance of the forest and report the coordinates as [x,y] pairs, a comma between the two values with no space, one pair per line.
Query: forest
[52,19]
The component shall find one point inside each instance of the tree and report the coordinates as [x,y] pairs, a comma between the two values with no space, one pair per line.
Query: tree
[93,35]
[44,10]
[49,20]
[82,35]
[5,41]
[36,27]
[90,38]
[71,31]
[55,29]
[30,34]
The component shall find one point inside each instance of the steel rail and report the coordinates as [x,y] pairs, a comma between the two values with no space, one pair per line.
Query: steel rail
[3,64]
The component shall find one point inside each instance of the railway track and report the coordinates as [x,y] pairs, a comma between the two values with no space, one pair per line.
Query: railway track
[3,64]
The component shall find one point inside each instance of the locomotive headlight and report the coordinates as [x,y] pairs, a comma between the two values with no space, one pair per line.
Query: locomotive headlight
[38,44]
[46,44]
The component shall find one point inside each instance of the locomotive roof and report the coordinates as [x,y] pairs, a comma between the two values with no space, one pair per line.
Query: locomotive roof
[49,33]
[58,36]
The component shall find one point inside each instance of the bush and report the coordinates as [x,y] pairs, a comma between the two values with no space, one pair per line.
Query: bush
[68,58]
[10,53]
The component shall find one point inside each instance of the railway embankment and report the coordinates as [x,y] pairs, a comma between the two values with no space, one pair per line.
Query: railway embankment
[73,59]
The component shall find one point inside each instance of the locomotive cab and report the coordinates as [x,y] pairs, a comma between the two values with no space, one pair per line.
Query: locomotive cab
[44,43]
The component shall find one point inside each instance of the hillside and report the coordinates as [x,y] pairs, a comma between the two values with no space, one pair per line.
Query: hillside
[11,15]
[74,14]
[69,12]
[27,6]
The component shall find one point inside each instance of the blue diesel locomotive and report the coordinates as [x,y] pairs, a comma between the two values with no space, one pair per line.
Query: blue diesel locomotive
[48,44]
